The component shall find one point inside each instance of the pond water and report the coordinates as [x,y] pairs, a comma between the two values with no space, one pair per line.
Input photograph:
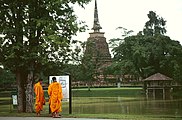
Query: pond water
[126,105]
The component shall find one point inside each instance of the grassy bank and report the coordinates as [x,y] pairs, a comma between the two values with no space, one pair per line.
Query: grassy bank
[108,92]
[95,92]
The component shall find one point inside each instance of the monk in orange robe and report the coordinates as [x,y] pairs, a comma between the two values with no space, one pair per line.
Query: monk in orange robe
[40,100]
[55,97]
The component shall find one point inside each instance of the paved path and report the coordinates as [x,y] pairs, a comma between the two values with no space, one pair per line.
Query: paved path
[46,118]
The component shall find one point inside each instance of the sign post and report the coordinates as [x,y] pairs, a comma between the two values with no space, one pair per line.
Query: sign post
[70,96]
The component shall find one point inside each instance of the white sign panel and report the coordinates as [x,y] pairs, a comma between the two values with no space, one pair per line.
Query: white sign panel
[15,102]
[64,81]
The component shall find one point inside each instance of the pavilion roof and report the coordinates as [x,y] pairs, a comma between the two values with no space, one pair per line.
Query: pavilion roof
[157,76]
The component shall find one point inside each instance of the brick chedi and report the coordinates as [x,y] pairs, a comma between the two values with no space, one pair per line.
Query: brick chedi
[97,45]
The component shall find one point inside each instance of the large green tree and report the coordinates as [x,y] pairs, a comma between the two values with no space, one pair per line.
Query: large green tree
[146,55]
[36,32]
[150,51]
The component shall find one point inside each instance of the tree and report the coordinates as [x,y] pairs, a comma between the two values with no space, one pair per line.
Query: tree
[115,42]
[36,33]
[155,25]
[150,51]
[145,55]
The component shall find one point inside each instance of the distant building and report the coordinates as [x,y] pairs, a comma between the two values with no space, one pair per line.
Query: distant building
[158,86]
[97,45]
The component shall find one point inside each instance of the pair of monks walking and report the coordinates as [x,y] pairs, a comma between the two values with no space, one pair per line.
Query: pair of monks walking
[55,97]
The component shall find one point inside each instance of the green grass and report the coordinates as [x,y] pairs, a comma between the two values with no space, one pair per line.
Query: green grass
[107,92]
[102,93]
[5,98]
[126,117]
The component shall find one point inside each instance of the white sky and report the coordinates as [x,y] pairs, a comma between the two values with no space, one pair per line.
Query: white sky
[131,14]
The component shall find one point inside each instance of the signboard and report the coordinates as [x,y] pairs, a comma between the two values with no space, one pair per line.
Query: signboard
[64,81]
[15,102]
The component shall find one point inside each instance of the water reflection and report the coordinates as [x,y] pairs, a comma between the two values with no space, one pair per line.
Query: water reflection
[123,105]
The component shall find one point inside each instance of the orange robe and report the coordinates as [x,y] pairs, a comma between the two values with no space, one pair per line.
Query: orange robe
[40,100]
[56,95]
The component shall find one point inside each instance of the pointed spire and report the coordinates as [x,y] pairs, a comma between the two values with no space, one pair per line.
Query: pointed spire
[96,26]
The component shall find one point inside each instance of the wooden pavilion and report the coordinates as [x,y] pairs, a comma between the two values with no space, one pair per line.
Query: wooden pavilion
[158,86]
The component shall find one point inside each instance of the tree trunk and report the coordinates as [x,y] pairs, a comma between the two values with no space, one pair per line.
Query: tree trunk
[21,92]
[29,93]
[20,72]
[89,85]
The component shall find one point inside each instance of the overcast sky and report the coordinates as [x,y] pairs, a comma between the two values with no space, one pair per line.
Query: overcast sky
[131,14]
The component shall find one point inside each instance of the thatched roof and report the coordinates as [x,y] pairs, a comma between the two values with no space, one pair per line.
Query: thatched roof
[157,76]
